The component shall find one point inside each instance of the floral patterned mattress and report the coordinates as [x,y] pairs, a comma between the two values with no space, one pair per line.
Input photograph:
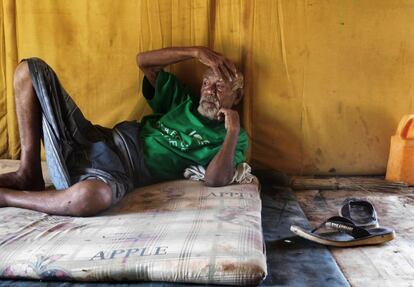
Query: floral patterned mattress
[178,231]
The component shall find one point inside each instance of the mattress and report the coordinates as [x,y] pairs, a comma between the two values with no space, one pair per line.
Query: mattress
[178,231]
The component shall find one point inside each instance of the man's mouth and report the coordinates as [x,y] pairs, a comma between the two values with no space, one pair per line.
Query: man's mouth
[209,109]
[210,102]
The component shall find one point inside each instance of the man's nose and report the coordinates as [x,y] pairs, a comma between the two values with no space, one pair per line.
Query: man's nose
[211,89]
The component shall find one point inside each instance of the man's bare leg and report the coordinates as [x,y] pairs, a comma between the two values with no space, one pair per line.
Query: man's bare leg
[16,188]
[29,175]
[84,198]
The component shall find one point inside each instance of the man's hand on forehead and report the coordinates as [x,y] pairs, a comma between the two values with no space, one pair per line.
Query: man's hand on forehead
[222,67]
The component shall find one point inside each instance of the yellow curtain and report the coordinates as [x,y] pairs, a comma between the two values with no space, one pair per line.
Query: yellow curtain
[326,81]
[9,137]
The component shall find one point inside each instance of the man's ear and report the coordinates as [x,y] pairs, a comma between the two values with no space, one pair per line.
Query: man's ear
[239,96]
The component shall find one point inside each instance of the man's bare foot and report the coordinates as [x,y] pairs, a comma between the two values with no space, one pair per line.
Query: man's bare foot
[22,181]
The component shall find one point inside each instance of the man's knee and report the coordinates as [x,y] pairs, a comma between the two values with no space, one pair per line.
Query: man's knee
[89,197]
[22,76]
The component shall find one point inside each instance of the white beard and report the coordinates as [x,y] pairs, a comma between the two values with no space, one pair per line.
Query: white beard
[209,108]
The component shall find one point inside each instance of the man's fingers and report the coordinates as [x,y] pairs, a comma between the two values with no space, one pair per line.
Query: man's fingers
[223,111]
[221,114]
[222,67]
[219,72]
[217,53]
[216,71]
[225,72]
[220,61]
[231,67]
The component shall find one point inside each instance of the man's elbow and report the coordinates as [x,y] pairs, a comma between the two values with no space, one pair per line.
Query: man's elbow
[140,61]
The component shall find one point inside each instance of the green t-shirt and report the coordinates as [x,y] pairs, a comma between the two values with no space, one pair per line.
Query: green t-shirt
[176,136]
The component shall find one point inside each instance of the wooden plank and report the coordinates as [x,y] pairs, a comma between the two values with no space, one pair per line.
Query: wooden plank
[390,264]
[376,184]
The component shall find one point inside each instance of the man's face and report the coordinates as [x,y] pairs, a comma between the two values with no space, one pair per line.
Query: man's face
[216,93]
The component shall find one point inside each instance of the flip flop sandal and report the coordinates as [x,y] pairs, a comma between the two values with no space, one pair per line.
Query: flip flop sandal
[347,233]
[361,212]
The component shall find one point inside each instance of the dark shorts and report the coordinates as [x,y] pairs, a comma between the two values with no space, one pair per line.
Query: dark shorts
[76,149]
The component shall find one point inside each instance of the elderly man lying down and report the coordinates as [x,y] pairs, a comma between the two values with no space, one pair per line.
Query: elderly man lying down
[93,167]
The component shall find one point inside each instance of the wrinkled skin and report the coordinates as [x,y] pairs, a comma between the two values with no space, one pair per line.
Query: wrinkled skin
[217,93]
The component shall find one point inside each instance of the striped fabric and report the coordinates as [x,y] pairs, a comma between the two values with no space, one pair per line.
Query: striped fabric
[178,231]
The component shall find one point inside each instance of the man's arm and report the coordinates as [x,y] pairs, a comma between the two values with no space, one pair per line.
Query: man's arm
[152,62]
[220,170]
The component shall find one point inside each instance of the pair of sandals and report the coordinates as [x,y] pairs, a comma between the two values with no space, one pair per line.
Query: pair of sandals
[356,225]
